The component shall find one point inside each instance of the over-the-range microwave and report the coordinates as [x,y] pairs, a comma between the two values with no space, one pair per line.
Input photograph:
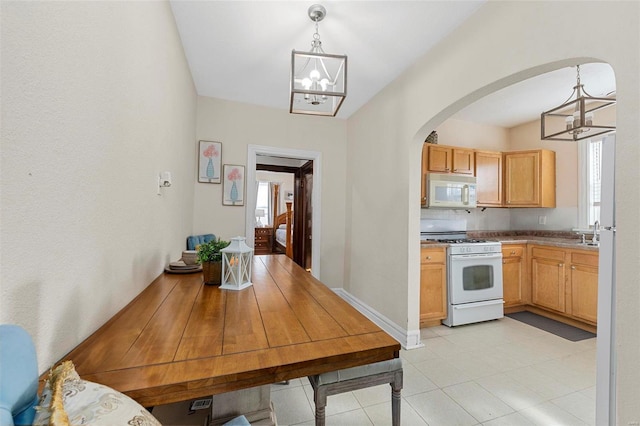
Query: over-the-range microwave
[451,191]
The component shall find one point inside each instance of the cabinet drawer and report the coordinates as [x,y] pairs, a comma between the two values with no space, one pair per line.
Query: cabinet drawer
[263,231]
[433,255]
[584,258]
[261,244]
[263,237]
[512,251]
[547,253]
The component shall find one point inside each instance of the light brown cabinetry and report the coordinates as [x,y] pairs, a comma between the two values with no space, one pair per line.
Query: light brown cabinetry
[583,283]
[530,178]
[263,240]
[513,274]
[448,159]
[565,281]
[548,278]
[433,285]
[488,172]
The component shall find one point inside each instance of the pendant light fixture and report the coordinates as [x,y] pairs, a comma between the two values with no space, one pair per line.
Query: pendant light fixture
[577,119]
[318,79]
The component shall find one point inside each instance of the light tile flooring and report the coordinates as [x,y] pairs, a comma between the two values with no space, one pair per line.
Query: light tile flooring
[495,373]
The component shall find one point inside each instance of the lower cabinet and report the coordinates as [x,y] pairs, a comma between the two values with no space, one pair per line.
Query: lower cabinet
[583,283]
[433,285]
[513,274]
[565,281]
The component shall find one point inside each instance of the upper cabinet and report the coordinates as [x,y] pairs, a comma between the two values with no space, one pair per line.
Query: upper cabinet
[489,178]
[530,178]
[448,159]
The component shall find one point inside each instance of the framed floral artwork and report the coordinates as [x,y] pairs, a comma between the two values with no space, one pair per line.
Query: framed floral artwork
[209,161]
[233,185]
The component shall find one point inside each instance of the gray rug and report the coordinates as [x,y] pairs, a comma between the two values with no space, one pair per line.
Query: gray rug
[558,328]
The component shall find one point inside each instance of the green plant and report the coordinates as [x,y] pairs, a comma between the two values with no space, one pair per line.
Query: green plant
[210,252]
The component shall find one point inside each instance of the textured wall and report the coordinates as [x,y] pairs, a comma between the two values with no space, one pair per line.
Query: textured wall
[97,99]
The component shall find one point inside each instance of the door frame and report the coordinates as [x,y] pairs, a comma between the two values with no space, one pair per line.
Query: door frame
[316,200]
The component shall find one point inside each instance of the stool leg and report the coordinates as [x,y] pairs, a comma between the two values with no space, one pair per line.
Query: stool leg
[320,399]
[396,398]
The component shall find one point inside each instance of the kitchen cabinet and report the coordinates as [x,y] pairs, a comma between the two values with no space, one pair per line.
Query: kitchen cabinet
[449,159]
[488,172]
[548,277]
[530,178]
[425,167]
[566,281]
[583,285]
[513,274]
[433,285]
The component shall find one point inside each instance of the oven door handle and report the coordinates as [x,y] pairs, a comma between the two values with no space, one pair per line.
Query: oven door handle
[477,304]
[484,256]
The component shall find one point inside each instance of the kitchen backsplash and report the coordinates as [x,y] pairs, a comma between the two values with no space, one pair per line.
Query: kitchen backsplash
[505,219]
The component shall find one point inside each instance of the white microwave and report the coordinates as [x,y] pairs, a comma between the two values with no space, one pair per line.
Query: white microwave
[451,191]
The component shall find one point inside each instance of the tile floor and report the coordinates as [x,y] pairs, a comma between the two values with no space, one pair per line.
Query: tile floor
[495,373]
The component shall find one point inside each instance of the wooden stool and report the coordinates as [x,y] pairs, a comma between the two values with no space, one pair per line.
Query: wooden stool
[355,378]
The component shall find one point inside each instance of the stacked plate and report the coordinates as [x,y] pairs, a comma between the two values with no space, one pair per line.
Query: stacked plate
[179,267]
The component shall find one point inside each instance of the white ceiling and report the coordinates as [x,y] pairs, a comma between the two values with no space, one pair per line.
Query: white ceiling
[241,51]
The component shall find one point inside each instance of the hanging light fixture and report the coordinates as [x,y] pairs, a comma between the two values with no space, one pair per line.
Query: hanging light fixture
[318,79]
[576,119]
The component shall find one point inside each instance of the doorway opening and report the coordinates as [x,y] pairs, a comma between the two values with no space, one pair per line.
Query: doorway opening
[306,167]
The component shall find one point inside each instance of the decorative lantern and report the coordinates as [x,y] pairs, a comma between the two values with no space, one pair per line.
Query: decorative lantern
[237,258]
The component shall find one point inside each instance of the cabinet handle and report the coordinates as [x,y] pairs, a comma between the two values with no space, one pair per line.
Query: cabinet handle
[447,169]
[513,252]
[573,267]
[428,257]
[561,264]
[504,262]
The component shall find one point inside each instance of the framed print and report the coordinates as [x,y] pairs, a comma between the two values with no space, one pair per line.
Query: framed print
[233,185]
[209,160]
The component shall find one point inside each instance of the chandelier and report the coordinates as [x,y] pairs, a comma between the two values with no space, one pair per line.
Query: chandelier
[576,119]
[318,79]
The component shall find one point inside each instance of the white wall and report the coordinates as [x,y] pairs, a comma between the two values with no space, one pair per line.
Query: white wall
[503,43]
[97,99]
[237,125]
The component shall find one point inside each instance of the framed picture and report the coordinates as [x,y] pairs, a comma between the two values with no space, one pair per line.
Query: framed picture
[233,185]
[209,160]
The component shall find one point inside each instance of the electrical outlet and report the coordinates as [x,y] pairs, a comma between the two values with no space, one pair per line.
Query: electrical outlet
[201,404]
[542,220]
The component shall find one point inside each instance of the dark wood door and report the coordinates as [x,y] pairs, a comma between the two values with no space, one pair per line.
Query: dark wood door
[303,215]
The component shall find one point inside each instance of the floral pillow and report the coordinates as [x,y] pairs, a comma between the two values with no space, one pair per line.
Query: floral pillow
[69,400]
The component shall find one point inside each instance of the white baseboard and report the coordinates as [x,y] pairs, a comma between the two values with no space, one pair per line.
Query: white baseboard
[409,339]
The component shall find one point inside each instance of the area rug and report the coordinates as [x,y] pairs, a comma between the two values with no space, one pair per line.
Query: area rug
[558,328]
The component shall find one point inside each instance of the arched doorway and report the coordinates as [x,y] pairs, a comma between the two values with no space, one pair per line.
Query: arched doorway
[605,395]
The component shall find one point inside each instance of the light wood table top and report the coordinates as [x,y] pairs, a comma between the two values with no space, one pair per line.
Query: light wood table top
[180,339]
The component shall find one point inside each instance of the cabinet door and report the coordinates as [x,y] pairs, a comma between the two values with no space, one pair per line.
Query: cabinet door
[440,159]
[584,292]
[433,284]
[522,175]
[489,178]
[548,283]
[512,274]
[463,161]
[425,169]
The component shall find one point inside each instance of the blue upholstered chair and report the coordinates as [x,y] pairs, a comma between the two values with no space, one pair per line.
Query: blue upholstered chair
[195,240]
[18,376]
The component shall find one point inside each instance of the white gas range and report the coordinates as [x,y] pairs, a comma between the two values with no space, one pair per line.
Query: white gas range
[474,272]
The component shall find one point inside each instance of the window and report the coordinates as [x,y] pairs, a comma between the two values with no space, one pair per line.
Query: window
[589,185]
[262,203]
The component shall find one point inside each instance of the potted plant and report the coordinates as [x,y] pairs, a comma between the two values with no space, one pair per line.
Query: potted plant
[211,259]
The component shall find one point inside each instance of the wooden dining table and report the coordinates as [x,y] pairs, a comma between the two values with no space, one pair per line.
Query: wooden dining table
[181,339]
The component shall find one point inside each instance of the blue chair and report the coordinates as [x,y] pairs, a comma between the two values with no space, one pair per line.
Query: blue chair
[195,240]
[18,376]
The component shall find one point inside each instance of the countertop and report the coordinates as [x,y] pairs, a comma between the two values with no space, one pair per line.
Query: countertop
[562,239]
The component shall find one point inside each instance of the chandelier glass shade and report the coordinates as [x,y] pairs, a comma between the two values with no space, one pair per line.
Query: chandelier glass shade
[577,119]
[318,79]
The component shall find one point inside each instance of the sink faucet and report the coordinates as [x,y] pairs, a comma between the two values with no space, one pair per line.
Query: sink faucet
[596,227]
